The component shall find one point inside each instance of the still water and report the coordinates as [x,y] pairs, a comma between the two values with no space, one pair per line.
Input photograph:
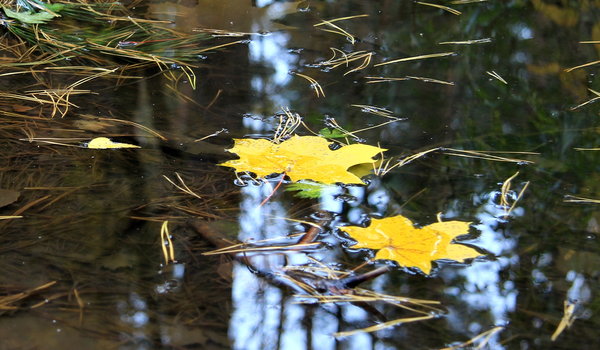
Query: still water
[498,80]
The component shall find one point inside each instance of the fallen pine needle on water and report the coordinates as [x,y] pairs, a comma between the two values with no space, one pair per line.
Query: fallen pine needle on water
[374,80]
[567,320]
[313,84]
[337,29]
[211,135]
[592,100]
[582,66]
[413,58]
[462,2]
[576,199]
[183,188]
[467,42]
[6,300]
[166,243]
[505,201]
[265,249]
[487,335]
[497,76]
[10,217]
[384,325]
[445,8]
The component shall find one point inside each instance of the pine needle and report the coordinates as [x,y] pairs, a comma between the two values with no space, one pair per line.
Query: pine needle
[445,8]
[487,335]
[582,66]
[413,58]
[577,199]
[567,319]
[467,42]
[313,84]
[166,244]
[383,325]
[183,187]
[375,80]
[497,76]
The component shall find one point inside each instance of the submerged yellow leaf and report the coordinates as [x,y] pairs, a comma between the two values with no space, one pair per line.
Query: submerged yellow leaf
[398,239]
[104,143]
[301,158]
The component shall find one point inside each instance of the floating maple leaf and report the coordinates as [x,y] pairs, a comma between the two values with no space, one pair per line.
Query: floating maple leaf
[301,157]
[106,143]
[399,240]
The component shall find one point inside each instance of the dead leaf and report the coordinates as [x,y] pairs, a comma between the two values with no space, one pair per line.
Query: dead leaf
[398,239]
[105,143]
[8,197]
[301,158]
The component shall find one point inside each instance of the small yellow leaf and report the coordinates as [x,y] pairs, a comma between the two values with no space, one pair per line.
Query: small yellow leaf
[104,143]
[301,158]
[398,239]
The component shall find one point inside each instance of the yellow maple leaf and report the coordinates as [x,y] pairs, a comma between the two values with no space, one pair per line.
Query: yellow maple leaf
[104,143]
[398,239]
[301,158]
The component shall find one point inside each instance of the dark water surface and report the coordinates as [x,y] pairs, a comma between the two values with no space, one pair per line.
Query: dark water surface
[92,218]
